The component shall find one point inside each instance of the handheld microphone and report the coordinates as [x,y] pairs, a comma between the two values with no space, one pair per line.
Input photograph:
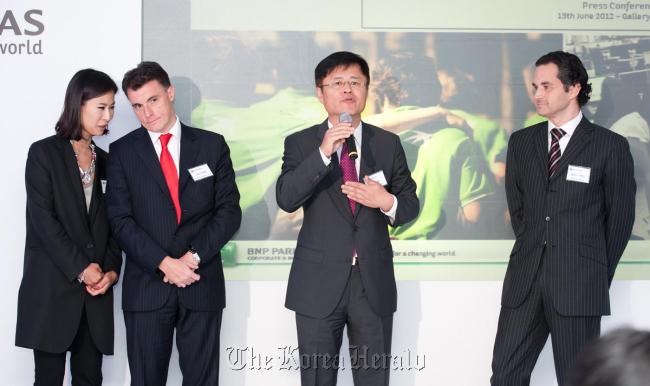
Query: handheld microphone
[345,117]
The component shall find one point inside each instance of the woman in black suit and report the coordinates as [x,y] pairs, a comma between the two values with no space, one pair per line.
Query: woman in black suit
[65,301]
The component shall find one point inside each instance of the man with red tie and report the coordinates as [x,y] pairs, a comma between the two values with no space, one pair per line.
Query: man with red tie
[571,193]
[172,204]
[342,271]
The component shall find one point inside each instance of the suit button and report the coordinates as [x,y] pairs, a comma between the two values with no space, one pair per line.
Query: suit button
[90,245]
[355,228]
[547,218]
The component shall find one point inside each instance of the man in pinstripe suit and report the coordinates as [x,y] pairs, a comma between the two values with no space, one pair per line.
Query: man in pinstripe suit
[570,189]
[172,204]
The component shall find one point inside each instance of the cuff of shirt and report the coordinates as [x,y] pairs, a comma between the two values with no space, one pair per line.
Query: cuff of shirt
[393,209]
[326,160]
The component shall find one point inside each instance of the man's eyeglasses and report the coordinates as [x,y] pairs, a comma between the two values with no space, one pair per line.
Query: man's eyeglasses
[338,84]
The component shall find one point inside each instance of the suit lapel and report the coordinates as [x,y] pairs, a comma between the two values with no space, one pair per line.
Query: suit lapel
[189,152]
[368,164]
[145,150]
[94,202]
[540,139]
[336,179]
[580,138]
[72,167]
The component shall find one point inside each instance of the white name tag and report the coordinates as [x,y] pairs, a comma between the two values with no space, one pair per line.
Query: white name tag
[379,178]
[200,172]
[578,174]
[103,186]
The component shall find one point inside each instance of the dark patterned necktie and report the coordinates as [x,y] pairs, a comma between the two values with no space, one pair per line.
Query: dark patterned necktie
[555,153]
[349,172]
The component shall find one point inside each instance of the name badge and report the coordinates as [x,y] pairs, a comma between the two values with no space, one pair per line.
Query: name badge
[578,174]
[103,186]
[379,178]
[200,172]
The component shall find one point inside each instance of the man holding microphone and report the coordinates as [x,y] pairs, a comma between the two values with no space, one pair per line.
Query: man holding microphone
[342,272]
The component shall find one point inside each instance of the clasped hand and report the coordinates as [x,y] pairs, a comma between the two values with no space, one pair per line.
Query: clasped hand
[96,281]
[180,271]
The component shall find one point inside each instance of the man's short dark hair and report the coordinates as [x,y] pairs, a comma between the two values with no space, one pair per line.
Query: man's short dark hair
[620,358]
[343,59]
[144,73]
[85,84]
[570,72]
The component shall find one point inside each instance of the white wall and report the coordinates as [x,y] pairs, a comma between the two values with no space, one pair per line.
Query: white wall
[451,324]
[77,34]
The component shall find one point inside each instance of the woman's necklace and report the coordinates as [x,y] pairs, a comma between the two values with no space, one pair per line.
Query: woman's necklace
[86,175]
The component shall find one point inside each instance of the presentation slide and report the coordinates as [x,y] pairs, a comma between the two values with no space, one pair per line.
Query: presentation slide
[453,81]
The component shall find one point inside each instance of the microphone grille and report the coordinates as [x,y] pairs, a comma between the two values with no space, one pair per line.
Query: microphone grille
[345,117]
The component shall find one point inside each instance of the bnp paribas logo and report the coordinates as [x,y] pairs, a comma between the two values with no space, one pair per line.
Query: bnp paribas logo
[20,32]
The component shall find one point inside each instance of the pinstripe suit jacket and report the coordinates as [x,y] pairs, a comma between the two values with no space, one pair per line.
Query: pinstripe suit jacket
[584,227]
[329,233]
[143,218]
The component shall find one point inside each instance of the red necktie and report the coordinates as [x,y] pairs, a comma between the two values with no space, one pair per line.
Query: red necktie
[554,153]
[349,172]
[169,171]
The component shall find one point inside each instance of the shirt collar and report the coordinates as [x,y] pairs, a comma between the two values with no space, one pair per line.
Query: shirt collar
[568,127]
[175,131]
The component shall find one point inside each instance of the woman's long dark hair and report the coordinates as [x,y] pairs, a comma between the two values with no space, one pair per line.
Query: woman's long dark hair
[85,84]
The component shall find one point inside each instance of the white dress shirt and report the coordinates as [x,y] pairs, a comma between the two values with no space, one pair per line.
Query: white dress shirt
[174,145]
[569,128]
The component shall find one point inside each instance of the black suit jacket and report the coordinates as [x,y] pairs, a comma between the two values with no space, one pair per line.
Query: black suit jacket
[584,227]
[144,224]
[62,238]
[329,233]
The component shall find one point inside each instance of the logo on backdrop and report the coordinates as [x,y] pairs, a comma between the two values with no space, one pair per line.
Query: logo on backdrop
[20,32]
